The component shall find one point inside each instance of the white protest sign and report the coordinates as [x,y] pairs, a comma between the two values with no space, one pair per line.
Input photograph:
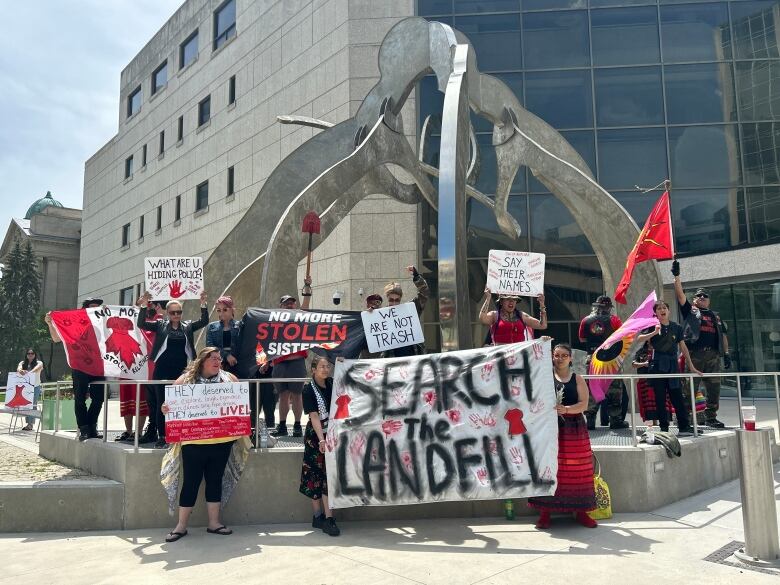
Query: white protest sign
[512,272]
[174,278]
[477,424]
[207,411]
[20,391]
[392,327]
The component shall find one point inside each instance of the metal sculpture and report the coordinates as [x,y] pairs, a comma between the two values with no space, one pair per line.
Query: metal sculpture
[336,168]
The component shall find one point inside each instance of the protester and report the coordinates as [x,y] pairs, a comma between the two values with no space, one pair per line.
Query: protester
[31,365]
[575,491]
[394,295]
[644,390]
[291,366]
[86,419]
[247,370]
[705,332]
[173,347]
[223,334]
[507,323]
[665,340]
[317,396]
[203,459]
[594,330]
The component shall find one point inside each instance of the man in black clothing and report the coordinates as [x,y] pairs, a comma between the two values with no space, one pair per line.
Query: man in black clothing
[705,335]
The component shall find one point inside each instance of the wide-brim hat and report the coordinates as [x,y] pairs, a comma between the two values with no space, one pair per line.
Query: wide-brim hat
[509,296]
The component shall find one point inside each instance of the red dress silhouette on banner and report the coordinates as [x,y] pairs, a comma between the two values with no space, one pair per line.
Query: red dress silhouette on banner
[342,406]
[514,416]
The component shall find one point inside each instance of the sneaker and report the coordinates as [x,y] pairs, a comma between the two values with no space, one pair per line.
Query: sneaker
[329,527]
[618,424]
[685,431]
[125,436]
[149,436]
[715,423]
[83,433]
[297,430]
[280,431]
[161,444]
[318,521]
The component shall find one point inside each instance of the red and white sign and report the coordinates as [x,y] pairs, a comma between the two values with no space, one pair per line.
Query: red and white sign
[517,273]
[174,278]
[20,391]
[207,411]
[105,341]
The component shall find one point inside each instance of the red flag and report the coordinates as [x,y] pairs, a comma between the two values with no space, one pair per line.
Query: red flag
[655,242]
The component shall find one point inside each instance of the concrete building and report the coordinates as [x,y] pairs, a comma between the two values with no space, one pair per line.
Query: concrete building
[643,90]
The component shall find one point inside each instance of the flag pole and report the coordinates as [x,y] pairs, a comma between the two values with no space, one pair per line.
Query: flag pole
[668,189]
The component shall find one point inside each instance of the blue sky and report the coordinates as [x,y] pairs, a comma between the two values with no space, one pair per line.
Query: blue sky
[59,98]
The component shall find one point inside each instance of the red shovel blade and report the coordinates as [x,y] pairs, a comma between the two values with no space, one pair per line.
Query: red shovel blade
[311,223]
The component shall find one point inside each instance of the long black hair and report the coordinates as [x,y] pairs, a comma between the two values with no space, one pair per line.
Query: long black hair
[29,365]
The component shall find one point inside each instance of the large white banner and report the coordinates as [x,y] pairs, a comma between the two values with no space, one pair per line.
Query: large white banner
[174,278]
[467,425]
[392,327]
[513,272]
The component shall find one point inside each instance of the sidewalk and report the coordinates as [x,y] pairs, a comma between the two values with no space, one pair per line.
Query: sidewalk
[669,545]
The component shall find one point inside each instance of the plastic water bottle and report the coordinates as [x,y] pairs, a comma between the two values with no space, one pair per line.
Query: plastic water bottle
[263,434]
[651,438]
[509,509]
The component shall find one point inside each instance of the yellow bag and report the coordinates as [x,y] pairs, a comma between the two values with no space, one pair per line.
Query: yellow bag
[603,509]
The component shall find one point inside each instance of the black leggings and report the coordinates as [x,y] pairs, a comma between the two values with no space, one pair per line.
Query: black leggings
[660,387]
[200,462]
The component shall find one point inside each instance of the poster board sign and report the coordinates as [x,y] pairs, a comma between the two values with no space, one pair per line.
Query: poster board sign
[20,391]
[465,425]
[513,272]
[392,327]
[174,278]
[207,411]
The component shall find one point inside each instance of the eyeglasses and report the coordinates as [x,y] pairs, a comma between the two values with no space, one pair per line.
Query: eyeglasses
[174,312]
[216,357]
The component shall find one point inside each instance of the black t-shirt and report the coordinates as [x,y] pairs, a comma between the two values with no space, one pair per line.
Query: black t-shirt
[667,340]
[309,398]
[708,330]
[570,396]
[173,360]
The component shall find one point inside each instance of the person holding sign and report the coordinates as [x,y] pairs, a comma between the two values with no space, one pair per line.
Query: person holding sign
[317,396]
[507,323]
[575,491]
[31,365]
[394,294]
[224,333]
[173,347]
[203,459]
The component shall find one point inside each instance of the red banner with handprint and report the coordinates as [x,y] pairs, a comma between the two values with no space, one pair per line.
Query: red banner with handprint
[105,341]
[464,425]
[171,278]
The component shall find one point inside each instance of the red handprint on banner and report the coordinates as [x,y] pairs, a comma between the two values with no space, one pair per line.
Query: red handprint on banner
[454,415]
[175,289]
[406,458]
[391,426]
[482,475]
[486,372]
[430,398]
[516,456]
[537,406]
[357,445]
[476,421]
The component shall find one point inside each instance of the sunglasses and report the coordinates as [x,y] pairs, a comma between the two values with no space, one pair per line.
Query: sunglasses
[702,296]
[174,312]
[30,353]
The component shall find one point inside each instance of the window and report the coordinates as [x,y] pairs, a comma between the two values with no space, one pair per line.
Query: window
[631,156]
[141,228]
[629,96]
[232,90]
[202,196]
[177,214]
[204,111]
[495,38]
[126,297]
[231,181]
[160,77]
[126,235]
[143,156]
[162,141]
[159,217]
[180,129]
[561,98]
[134,101]
[625,36]
[188,50]
[224,23]
[129,167]
[556,39]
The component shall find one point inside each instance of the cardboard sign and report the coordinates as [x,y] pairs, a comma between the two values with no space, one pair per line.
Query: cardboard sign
[207,411]
[392,327]
[174,278]
[518,273]
[465,425]
[20,391]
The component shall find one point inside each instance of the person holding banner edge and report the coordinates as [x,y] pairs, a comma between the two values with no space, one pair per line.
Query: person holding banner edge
[317,396]
[203,459]
[174,346]
[507,323]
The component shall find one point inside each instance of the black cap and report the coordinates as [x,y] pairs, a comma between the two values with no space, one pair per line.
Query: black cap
[603,301]
[286,299]
[90,301]
[701,291]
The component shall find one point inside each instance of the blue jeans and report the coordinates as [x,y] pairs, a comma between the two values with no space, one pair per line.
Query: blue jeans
[31,419]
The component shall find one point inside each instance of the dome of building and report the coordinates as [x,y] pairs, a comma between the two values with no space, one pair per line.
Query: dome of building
[41,204]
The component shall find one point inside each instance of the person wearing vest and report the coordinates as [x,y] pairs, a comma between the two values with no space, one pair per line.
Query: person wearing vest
[594,330]
[507,323]
[705,334]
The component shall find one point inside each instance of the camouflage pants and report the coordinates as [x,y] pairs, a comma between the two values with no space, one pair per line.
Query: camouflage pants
[612,403]
[708,361]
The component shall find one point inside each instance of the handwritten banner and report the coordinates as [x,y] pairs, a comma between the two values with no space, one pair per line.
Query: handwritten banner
[467,425]
[20,391]
[207,411]
[174,278]
[518,273]
[392,327]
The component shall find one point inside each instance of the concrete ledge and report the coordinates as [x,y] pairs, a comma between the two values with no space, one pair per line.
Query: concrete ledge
[61,505]
[640,480]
